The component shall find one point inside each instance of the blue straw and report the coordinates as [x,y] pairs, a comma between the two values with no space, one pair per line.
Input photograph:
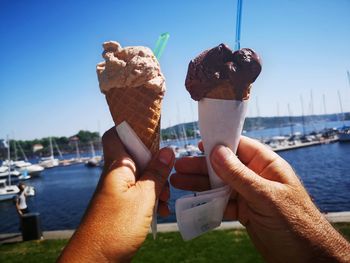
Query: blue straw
[160,45]
[238,24]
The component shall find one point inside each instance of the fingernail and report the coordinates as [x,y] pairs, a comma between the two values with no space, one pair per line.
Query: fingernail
[220,154]
[165,156]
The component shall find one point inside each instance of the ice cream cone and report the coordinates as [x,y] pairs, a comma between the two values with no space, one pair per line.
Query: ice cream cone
[140,107]
[134,86]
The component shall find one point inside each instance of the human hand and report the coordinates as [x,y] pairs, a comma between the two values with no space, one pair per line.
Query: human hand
[269,200]
[118,218]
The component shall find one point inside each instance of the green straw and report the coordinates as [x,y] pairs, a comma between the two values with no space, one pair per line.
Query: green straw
[158,51]
[160,45]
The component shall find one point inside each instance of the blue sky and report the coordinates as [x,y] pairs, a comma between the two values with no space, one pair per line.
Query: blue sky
[49,50]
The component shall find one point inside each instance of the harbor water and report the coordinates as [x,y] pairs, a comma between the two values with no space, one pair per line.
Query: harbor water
[63,193]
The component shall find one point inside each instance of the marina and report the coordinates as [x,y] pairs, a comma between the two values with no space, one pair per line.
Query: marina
[62,193]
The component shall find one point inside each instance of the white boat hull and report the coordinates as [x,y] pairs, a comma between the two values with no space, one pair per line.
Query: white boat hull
[7,197]
[32,170]
[13,174]
[344,137]
[49,163]
[8,192]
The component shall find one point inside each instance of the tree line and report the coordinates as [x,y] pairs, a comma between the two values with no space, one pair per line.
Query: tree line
[254,123]
[18,148]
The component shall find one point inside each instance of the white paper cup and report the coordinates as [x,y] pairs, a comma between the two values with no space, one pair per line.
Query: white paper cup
[220,122]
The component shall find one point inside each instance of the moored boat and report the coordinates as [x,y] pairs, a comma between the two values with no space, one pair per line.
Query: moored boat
[7,192]
[344,134]
[4,172]
[25,167]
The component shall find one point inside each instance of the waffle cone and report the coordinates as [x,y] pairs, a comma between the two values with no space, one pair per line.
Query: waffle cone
[140,107]
[227,92]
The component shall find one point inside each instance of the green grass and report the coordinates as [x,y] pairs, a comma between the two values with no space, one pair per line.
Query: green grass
[344,229]
[32,251]
[216,246]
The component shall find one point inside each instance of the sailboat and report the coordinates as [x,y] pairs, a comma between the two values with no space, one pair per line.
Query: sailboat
[25,168]
[4,171]
[344,132]
[94,160]
[190,150]
[8,191]
[49,162]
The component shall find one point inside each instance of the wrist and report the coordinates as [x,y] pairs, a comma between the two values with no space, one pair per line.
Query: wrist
[325,242]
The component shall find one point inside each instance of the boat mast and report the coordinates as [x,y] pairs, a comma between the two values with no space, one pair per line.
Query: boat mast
[181,125]
[15,150]
[325,110]
[9,159]
[302,114]
[258,118]
[194,122]
[77,149]
[24,155]
[278,119]
[341,108]
[312,102]
[290,120]
[58,149]
[92,149]
[51,148]
[184,132]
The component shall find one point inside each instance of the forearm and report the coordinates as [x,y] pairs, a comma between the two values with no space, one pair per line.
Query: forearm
[328,245]
[321,242]
[19,210]
[95,240]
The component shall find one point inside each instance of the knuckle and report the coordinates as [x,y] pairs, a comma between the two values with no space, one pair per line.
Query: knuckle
[235,169]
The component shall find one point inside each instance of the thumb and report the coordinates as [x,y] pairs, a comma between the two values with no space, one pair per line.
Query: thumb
[156,174]
[233,172]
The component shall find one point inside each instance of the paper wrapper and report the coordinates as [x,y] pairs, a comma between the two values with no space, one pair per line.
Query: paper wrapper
[220,122]
[142,156]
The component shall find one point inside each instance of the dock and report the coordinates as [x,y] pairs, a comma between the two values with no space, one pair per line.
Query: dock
[302,145]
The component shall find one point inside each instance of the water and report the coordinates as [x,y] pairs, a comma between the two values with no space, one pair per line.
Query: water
[63,193]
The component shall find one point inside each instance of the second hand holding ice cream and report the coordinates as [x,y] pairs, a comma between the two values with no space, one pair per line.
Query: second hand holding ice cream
[134,86]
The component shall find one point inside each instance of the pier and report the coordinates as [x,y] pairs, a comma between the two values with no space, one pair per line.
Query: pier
[302,145]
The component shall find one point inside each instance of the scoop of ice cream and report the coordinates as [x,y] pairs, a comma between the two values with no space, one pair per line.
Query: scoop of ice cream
[129,67]
[220,66]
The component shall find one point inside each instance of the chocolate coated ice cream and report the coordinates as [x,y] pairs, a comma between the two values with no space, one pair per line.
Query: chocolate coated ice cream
[221,67]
